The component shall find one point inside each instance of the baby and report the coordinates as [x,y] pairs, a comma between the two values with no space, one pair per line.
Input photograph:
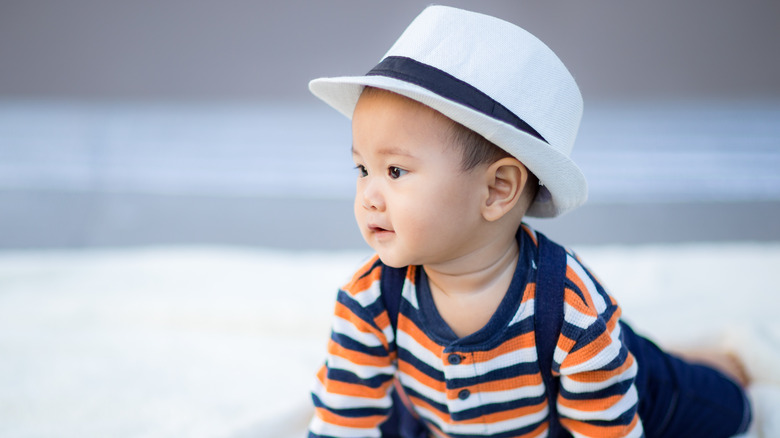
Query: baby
[467,322]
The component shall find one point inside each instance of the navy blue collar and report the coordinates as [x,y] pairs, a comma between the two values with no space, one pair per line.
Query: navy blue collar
[439,331]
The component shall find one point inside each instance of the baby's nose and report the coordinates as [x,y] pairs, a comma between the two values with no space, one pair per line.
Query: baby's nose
[371,197]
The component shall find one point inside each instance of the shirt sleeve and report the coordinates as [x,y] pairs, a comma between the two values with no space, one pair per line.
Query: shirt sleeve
[597,395]
[351,392]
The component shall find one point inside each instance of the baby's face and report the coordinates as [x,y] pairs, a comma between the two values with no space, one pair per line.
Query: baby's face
[414,204]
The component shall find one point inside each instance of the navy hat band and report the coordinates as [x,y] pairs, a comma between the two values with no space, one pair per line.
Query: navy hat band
[449,87]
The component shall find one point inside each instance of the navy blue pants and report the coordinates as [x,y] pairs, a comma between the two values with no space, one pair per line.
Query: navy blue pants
[679,399]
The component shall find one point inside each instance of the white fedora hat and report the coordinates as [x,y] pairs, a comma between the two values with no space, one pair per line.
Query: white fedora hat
[492,77]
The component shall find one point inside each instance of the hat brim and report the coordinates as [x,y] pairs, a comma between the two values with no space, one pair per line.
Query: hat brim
[563,185]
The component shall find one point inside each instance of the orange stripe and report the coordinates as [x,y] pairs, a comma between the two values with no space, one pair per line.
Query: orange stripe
[587,352]
[383,321]
[508,415]
[343,312]
[363,279]
[358,422]
[505,384]
[358,357]
[571,298]
[351,389]
[599,431]
[411,273]
[565,343]
[529,292]
[591,405]
[571,275]
[601,375]
[526,340]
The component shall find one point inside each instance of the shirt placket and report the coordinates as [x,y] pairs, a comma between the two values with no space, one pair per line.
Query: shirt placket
[460,373]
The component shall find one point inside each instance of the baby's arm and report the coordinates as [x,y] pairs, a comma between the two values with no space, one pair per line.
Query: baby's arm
[351,392]
[597,395]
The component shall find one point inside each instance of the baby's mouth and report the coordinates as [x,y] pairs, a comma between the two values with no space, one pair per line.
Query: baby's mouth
[378,229]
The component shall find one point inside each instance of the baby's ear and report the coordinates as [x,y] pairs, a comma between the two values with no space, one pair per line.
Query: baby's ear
[506,179]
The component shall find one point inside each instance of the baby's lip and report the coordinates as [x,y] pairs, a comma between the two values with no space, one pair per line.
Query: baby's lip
[377,228]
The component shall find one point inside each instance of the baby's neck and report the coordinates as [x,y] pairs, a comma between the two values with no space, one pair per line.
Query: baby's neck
[467,292]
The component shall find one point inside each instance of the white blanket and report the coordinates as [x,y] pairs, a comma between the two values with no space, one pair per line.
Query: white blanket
[224,342]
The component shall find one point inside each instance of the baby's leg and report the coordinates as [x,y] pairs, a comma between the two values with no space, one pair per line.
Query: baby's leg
[727,363]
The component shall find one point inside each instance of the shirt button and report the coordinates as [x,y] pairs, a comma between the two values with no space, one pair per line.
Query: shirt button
[464,394]
[454,359]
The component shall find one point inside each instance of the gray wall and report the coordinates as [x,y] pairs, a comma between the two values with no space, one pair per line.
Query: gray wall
[253,50]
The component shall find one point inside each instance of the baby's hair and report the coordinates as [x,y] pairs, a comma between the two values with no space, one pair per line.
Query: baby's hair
[476,150]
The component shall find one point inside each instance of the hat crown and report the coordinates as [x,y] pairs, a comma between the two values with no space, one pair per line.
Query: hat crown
[502,60]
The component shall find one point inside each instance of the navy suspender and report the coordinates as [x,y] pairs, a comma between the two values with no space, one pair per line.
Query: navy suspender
[548,319]
[391,286]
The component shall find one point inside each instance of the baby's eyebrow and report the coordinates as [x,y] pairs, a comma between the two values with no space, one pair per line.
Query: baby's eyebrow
[388,151]
[395,151]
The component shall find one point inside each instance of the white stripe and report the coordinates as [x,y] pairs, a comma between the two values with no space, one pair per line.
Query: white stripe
[605,356]
[410,382]
[559,355]
[348,329]
[575,317]
[389,333]
[320,427]
[409,343]
[340,401]
[410,293]
[583,387]
[368,296]
[487,397]
[626,402]
[526,310]
[484,429]
[362,371]
[598,300]
[523,355]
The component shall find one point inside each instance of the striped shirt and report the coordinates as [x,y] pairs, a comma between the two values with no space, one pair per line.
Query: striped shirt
[486,384]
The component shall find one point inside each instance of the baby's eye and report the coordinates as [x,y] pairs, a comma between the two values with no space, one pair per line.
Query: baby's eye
[362,170]
[396,172]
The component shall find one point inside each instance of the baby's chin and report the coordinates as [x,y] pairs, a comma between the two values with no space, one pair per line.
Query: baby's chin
[389,261]
[392,260]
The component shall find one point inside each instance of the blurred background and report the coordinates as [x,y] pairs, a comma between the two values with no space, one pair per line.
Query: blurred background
[190,122]
[170,194]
